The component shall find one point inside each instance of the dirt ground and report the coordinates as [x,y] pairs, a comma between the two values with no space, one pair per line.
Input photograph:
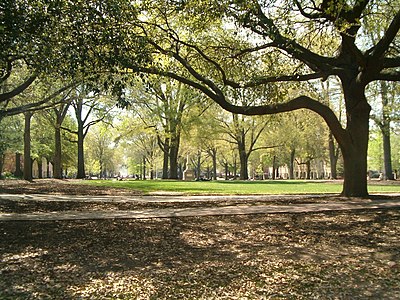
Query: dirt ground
[333,255]
[57,186]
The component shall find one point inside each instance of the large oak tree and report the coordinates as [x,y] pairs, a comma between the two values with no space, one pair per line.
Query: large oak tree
[284,33]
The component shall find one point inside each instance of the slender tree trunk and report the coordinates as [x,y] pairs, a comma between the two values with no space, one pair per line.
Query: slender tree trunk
[40,168]
[385,129]
[214,161]
[198,165]
[387,155]
[226,167]
[165,149]
[292,161]
[60,112]
[144,168]
[243,158]
[81,155]
[27,147]
[57,168]
[47,168]
[234,167]
[274,168]
[332,156]
[308,169]
[18,172]
[1,165]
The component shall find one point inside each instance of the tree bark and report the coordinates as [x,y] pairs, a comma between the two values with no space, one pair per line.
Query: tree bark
[308,169]
[214,160]
[173,156]
[18,172]
[144,168]
[332,156]
[27,147]
[387,155]
[274,168]
[355,150]
[165,149]
[234,168]
[291,165]
[1,165]
[57,168]
[40,168]
[80,139]
[385,129]
[244,173]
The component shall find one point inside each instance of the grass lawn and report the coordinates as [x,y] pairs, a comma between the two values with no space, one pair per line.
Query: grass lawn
[239,187]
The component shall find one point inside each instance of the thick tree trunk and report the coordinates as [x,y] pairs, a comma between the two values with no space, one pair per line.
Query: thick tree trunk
[355,150]
[27,147]
[173,157]
[243,159]
[244,173]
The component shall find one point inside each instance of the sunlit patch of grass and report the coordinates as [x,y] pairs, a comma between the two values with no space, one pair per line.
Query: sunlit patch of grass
[235,187]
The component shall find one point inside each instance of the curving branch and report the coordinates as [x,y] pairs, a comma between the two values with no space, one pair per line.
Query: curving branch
[6,72]
[19,89]
[393,62]
[388,76]
[40,105]
[301,102]
[306,14]
[284,78]
[313,60]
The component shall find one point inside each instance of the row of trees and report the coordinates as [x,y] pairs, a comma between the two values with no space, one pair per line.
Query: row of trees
[167,120]
[251,58]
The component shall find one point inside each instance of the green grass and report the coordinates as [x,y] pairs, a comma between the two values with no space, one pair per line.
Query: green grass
[237,187]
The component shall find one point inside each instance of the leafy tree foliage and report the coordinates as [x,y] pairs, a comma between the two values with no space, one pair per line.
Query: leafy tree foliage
[273,35]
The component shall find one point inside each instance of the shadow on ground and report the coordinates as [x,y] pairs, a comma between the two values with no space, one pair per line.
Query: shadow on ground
[301,256]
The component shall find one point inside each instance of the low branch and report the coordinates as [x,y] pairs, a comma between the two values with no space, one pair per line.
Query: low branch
[18,90]
[40,105]
[388,76]
[251,50]
[266,147]
[285,78]
[69,130]
[391,62]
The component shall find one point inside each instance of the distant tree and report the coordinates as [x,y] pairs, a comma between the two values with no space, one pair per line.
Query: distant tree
[11,137]
[89,110]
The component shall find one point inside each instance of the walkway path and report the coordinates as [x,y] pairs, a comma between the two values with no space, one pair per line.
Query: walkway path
[182,212]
